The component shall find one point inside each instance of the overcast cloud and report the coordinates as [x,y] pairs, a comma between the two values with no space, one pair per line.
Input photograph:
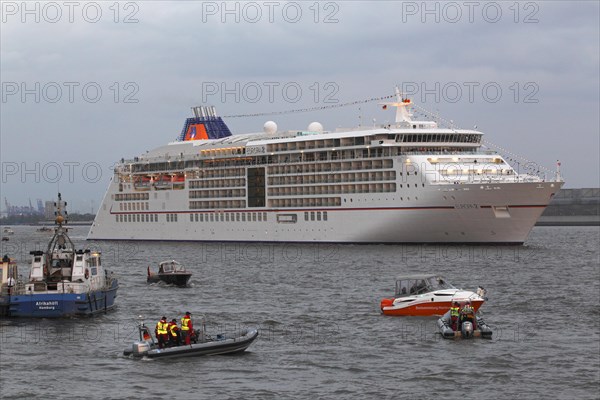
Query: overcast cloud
[544,56]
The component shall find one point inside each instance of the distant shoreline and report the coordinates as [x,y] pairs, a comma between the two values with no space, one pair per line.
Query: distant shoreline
[569,220]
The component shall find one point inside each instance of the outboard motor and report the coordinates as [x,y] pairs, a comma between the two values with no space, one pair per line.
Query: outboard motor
[467,329]
[140,348]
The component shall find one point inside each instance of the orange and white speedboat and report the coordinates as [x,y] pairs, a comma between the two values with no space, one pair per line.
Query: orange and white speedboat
[427,295]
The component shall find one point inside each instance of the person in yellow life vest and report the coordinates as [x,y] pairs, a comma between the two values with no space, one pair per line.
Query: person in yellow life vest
[454,313]
[162,332]
[174,333]
[186,327]
[467,313]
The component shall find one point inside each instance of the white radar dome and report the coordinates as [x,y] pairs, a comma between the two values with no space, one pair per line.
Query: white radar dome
[270,127]
[315,127]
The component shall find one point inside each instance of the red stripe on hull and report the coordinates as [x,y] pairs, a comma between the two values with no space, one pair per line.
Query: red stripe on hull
[425,309]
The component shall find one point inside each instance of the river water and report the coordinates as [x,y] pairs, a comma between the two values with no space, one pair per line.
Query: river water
[321,333]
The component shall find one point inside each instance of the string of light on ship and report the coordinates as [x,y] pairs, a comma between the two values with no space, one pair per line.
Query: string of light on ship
[301,110]
[417,109]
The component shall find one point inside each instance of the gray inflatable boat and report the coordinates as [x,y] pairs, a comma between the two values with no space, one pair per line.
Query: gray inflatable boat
[482,330]
[202,344]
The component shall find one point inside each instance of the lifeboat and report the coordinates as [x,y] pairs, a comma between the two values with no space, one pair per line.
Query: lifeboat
[427,295]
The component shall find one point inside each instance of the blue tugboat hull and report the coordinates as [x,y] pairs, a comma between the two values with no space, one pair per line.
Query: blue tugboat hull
[56,305]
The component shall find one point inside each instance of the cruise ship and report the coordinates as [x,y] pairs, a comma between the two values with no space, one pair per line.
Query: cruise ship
[411,181]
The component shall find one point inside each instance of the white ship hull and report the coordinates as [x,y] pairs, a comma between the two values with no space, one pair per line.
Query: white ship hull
[469,217]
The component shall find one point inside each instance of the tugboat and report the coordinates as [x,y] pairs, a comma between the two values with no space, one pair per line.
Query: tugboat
[170,272]
[201,344]
[64,281]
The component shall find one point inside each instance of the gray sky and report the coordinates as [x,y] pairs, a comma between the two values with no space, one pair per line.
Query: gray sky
[527,74]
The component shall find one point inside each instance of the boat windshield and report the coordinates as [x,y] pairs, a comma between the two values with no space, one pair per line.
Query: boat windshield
[171,266]
[412,286]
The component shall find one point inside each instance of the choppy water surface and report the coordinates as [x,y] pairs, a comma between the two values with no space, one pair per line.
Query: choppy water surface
[321,332]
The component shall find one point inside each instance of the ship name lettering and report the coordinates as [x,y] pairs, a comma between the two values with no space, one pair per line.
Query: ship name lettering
[466,206]
[255,150]
[46,303]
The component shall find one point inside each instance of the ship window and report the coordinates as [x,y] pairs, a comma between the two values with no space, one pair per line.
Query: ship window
[191,217]
[253,216]
[312,215]
[260,216]
[324,215]
[196,217]
[117,218]
[222,217]
[227,217]
[306,216]
[318,215]
[244,217]
[265,216]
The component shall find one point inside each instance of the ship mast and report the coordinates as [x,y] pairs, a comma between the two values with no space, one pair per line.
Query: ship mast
[60,241]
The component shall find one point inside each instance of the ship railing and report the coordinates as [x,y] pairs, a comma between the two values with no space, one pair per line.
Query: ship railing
[16,289]
[496,179]
[149,167]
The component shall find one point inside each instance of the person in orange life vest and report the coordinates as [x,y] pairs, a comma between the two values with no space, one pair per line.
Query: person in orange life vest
[186,327]
[162,333]
[174,333]
[454,313]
